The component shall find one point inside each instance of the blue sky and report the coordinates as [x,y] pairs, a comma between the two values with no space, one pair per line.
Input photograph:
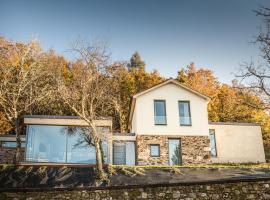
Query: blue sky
[168,34]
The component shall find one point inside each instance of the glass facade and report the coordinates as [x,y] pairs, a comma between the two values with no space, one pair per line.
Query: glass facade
[213,142]
[160,112]
[175,152]
[60,144]
[184,113]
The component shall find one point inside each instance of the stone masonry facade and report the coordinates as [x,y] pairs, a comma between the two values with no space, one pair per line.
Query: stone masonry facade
[7,155]
[194,149]
[229,191]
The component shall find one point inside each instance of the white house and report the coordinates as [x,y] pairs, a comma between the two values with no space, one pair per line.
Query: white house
[172,116]
[168,125]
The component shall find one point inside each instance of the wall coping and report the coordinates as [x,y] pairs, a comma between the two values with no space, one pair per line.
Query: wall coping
[64,121]
[234,123]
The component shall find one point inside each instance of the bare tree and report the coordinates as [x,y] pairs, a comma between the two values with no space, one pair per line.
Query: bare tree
[23,83]
[87,93]
[256,77]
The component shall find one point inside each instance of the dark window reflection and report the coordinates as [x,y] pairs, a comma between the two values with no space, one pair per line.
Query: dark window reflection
[160,112]
[174,152]
[61,144]
[213,142]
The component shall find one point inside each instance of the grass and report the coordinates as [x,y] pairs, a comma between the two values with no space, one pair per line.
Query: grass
[208,166]
[138,168]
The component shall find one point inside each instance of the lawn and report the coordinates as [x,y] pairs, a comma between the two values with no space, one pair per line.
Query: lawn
[209,166]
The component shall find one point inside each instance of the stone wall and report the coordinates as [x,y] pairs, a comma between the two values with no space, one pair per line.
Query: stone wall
[238,190]
[143,150]
[7,155]
[195,150]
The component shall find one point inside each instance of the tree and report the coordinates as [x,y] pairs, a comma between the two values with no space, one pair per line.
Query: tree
[201,80]
[229,103]
[23,83]
[53,105]
[256,77]
[124,84]
[87,93]
[121,90]
[136,62]
[5,126]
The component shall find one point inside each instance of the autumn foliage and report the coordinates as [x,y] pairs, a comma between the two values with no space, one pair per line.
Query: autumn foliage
[125,78]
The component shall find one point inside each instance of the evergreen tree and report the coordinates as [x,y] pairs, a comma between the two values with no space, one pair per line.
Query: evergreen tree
[136,62]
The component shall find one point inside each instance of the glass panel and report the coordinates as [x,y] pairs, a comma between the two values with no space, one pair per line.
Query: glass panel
[174,152]
[46,144]
[78,148]
[160,108]
[213,142]
[119,153]
[184,113]
[130,153]
[160,112]
[160,119]
[105,149]
[61,144]
[154,150]
[11,144]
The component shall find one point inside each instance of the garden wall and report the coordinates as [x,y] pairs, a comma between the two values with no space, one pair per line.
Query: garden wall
[245,189]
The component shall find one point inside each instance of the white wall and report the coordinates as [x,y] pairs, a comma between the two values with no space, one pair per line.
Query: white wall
[238,143]
[143,118]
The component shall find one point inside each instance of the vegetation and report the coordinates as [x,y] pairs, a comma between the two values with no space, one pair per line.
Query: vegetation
[207,166]
[34,81]
[139,170]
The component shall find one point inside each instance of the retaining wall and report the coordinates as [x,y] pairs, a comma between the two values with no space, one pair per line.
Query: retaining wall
[245,189]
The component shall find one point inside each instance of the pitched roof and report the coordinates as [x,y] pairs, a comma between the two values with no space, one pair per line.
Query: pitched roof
[133,101]
[176,83]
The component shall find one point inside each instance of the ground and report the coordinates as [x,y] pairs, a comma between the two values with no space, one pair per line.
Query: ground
[66,177]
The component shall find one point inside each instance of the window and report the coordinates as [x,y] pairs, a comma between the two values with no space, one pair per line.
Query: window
[60,144]
[160,112]
[213,142]
[123,153]
[184,113]
[78,151]
[11,144]
[175,154]
[154,150]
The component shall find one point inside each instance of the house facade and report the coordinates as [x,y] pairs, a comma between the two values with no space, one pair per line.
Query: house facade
[167,117]
[168,125]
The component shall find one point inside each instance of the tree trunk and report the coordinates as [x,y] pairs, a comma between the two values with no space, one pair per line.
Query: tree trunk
[99,163]
[121,122]
[18,140]
[18,150]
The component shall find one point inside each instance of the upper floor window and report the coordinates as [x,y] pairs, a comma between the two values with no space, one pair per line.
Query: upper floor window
[184,113]
[213,142]
[160,112]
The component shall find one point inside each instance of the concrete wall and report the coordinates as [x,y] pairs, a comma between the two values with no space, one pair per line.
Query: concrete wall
[143,118]
[238,143]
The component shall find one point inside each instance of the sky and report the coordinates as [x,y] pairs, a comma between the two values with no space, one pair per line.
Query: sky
[168,34]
